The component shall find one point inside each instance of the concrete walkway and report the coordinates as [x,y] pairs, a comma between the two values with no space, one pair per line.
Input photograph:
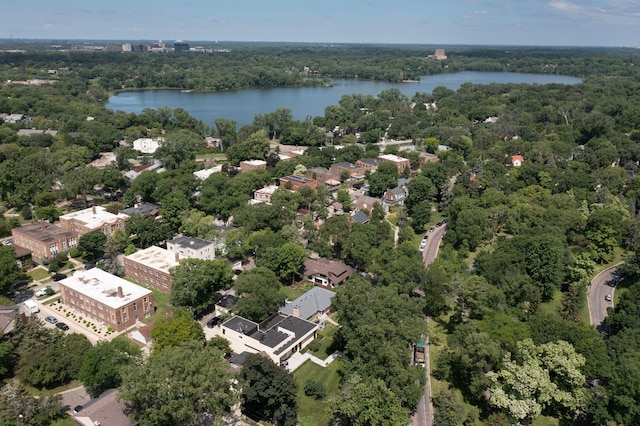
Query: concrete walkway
[298,358]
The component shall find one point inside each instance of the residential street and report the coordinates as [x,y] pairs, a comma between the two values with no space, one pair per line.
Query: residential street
[424,412]
[596,297]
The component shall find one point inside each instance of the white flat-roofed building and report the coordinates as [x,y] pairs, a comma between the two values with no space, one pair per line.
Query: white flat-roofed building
[204,174]
[279,336]
[400,162]
[95,218]
[106,298]
[192,248]
[147,145]
[151,267]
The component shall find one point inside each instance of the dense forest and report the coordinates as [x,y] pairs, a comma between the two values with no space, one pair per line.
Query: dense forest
[509,330]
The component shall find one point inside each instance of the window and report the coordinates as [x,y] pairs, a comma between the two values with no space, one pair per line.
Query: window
[135,306]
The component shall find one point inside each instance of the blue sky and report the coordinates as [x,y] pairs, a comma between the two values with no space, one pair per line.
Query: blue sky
[518,22]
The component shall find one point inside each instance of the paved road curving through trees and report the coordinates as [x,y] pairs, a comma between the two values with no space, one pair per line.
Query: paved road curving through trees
[598,290]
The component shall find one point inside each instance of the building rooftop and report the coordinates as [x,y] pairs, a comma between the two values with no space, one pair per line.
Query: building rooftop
[45,232]
[94,217]
[155,257]
[347,165]
[297,178]
[392,157]
[255,162]
[140,209]
[273,331]
[194,243]
[204,174]
[267,189]
[313,301]
[104,287]
[104,410]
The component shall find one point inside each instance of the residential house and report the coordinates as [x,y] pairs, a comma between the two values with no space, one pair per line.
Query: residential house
[44,240]
[394,197]
[143,209]
[314,302]
[31,132]
[355,171]
[277,337]
[249,165]
[205,173]
[133,174]
[106,298]
[107,410]
[151,267]
[295,182]
[400,162]
[359,217]
[426,157]
[147,145]
[370,164]
[365,202]
[324,176]
[263,195]
[326,273]
[517,160]
[15,118]
[95,218]
[8,317]
[192,248]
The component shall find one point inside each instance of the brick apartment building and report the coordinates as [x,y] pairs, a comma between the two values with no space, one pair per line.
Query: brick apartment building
[106,298]
[151,267]
[400,162]
[44,240]
[95,218]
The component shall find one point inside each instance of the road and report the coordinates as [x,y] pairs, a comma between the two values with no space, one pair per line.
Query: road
[424,412]
[596,297]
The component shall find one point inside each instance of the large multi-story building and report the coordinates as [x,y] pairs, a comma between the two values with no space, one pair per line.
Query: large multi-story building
[400,162]
[151,267]
[106,298]
[95,218]
[44,240]
[192,248]
[249,165]
[295,182]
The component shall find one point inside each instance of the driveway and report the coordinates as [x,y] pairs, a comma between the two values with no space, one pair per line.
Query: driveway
[598,290]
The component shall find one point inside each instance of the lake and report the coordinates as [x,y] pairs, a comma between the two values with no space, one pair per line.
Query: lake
[242,105]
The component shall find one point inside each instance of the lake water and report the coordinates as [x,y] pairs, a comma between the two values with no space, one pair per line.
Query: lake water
[242,105]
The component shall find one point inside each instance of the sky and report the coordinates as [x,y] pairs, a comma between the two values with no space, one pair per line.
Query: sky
[469,22]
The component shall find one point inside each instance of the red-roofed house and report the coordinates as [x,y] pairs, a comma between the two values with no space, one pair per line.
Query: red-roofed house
[517,160]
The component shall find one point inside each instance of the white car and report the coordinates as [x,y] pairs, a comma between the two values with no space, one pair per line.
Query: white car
[608,298]
[40,293]
[423,244]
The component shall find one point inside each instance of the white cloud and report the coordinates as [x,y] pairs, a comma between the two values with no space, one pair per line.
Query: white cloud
[565,6]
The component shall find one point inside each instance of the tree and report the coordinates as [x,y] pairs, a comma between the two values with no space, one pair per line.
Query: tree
[9,271]
[195,282]
[80,181]
[538,377]
[259,292]
[269,391]
[19,408]
[291,256]
[102,364]
[174,206]
[367,402]
[92,244]
[178,146]
[174,329]
[185,384]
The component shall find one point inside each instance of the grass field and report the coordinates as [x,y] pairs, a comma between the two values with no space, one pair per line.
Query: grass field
[292,292]
[312,412]
[38,274]
[325,339]
[66,421]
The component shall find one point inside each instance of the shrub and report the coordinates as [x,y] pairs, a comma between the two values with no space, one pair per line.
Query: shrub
[314,346]
[314,389]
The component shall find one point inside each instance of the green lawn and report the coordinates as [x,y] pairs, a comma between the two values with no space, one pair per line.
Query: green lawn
[292,292]
[65,421]
[312,412]
[325,339]
[38,274]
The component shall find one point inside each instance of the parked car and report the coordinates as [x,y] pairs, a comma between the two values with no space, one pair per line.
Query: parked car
[77,409]
[40,293]
[51,319]
[58,276]
[432,229]
[62,326]
[608,297]
[423,244]
[213,322]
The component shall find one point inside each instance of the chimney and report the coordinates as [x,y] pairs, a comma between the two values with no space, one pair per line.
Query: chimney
[296,312]
[177,257]
[94,209]
[120,293]
[41,224]
[192,242]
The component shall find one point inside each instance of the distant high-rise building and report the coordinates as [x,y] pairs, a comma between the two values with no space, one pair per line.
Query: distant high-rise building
[180,46]
[439,55]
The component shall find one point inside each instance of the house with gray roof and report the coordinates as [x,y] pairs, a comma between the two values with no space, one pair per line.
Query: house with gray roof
[192,248]
[314,302]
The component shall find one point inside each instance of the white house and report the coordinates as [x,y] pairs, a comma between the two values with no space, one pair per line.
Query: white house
[192,248]
[279,336]
[147,145]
